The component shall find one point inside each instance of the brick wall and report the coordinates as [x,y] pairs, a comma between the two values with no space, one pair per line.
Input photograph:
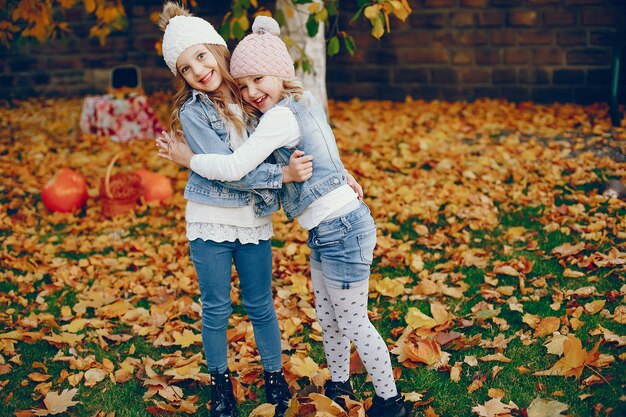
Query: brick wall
[540,50]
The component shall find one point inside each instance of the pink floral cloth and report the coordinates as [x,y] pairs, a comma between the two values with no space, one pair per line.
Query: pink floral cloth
[123,119]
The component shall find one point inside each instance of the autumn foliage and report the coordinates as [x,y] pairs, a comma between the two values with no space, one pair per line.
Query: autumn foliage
[498,280]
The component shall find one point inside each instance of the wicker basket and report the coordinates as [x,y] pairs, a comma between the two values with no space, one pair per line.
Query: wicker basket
[119,193]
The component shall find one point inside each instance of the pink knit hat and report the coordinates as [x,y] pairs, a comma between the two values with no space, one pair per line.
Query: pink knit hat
[262,52]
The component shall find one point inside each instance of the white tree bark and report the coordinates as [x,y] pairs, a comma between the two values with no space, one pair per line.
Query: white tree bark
[296,17]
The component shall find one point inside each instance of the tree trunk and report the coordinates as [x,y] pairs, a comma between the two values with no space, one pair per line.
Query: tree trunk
[315,48]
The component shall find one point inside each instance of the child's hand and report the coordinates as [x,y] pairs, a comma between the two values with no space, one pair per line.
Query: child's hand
[355,185]
[300,168]
[173,149]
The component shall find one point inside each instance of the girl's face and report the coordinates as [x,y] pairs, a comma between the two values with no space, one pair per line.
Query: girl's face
[199,68]
[262,92]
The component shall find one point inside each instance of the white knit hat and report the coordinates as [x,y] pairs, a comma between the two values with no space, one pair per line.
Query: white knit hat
[185,31]
[262,52]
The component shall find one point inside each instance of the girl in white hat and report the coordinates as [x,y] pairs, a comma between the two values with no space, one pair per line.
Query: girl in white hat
[226,222]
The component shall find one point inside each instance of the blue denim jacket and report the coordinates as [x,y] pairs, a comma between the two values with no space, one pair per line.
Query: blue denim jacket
[206,132]
[317,139]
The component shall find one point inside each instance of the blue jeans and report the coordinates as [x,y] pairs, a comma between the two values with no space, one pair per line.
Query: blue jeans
[213,263]
[344,246]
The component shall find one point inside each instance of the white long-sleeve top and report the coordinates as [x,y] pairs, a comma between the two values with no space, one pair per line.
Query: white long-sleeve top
[277,128]
[227,224]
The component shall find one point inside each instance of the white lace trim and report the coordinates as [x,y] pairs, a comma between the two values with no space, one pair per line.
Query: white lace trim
[228,233]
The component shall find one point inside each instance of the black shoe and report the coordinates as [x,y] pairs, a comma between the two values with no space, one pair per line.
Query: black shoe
[277,392]
[334,390]
[223,403]
[391,407]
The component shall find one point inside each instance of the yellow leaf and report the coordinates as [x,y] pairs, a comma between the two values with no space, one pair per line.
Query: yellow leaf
[389,287]
[415,319]
[495,393]
[57,403]
[372,12]
[90,5]
[303,366]
[547,325]
[187,338]
[569,273]
[619,315]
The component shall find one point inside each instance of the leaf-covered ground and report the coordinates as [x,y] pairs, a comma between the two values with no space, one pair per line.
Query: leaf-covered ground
[498,282]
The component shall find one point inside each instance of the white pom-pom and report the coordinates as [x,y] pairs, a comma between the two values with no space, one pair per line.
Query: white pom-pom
[265,24]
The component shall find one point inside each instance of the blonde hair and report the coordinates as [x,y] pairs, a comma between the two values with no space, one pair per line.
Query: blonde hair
[222,56]
[184,90]
[292,87]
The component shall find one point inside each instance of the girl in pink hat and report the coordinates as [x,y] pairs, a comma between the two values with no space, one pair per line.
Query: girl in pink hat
[342,233]
[226,221]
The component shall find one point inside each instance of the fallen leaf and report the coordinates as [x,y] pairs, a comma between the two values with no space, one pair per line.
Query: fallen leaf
[57,403]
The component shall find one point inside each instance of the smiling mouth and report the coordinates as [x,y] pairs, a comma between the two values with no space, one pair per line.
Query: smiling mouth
[207,77]
[259,100]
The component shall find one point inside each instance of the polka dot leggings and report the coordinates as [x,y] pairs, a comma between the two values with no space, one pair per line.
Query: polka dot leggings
[342,314]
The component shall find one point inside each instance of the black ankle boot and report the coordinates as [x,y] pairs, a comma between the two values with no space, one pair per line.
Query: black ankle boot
[334,390]
[223,403]
[277,392]
[391,407]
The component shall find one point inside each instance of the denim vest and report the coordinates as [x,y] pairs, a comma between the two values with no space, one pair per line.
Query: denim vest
[316,139]
[206,132]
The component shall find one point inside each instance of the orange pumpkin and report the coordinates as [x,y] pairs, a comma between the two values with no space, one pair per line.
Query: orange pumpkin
[65,192]
[156,187]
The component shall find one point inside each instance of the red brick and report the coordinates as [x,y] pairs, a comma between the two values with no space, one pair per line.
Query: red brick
[139,11]
[429,56]
[588,95]
[491,92]
[444,76]
[462,57]
[438,4]
[550,56]
[535,76]
[506,3]
[516,94]
[598,17]
[372,75]
[410,75]
[407,38]
[491,18]
[559,18]
[539,3]
[462,19]
[582,2]
[487,56]
[473,38]
[424,92]
[523,18]
[541,37]
[476,75]
[443,39]
[504,37]
[572,38]
[599,76]
[589,56]
[421,19]
[605,38]
[567,76]
[504,76]
[475,4]
[551,94]
[456,93]
[516,56]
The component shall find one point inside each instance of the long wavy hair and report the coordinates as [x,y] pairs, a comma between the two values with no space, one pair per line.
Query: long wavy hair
[184,91]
